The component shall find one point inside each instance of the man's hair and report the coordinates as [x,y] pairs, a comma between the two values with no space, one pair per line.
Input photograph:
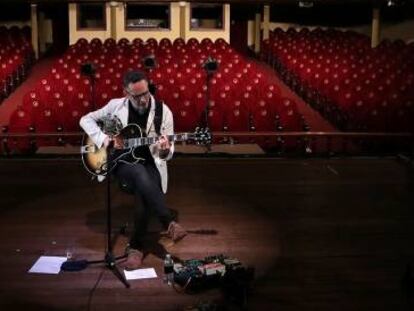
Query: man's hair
[133,76]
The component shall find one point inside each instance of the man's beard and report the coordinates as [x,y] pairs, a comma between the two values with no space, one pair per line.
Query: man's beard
[141,110]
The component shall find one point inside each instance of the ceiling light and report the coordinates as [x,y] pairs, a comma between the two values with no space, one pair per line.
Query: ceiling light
[305,4]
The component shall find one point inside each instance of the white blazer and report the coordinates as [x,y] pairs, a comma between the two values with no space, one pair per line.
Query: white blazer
[119,107]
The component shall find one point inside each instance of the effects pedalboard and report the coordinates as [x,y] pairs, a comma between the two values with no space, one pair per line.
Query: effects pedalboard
[212,271]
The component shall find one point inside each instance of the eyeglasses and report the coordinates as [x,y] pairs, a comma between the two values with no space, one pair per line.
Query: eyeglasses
[140,98]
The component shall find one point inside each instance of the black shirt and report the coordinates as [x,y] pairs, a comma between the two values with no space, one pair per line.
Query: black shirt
[141,120]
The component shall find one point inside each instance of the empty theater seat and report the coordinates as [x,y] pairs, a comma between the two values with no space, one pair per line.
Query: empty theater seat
[16,56]
[355,86]
[181,82]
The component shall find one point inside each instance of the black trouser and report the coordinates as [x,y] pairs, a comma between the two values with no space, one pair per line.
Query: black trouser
[145,181]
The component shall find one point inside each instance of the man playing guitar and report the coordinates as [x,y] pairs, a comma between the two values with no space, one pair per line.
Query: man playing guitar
[148,176]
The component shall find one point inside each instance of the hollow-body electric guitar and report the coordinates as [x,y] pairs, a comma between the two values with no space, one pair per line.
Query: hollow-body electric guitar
[96,160]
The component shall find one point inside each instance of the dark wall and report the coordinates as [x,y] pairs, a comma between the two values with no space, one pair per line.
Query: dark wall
[59,15]
[14,12]
[339,15]
[244,12]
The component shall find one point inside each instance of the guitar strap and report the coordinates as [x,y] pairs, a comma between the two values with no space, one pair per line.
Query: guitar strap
[158,117]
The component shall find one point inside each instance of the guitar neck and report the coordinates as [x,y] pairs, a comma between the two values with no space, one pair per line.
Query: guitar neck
[145,141]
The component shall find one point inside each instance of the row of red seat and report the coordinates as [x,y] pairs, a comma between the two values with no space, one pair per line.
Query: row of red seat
[242,97]
[97,43]
[16,55]
[355,86]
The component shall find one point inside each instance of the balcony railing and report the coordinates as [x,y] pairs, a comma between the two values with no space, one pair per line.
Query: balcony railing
[273,143]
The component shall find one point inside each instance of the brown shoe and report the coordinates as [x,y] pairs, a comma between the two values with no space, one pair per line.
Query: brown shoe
[176,232]
[134,259]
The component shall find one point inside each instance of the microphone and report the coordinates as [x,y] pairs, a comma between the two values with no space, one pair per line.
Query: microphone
[111,124]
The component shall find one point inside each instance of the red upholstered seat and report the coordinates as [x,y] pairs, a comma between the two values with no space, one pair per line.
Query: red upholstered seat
[237,119]
[216,119]
[342,73]
[20,122]
[45,122]
[186,119]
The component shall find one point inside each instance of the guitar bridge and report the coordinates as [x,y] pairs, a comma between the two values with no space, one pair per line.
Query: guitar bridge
[88,149]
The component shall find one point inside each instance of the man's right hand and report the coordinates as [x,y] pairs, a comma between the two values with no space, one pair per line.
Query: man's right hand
[117,142]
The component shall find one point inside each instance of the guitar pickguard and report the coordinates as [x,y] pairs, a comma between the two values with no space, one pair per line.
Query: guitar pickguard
[96,159]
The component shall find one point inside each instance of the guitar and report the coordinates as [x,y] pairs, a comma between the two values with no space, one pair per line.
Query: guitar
[95,159]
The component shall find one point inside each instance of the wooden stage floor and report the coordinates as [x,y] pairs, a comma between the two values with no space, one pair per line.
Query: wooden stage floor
[322,234]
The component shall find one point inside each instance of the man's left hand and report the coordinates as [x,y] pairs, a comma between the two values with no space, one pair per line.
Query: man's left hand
[164,143]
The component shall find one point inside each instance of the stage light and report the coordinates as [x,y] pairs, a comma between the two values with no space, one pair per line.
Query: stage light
[305,4]
[394,3]
[210,65]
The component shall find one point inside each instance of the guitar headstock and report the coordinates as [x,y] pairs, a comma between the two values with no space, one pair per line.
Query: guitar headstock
[202,136]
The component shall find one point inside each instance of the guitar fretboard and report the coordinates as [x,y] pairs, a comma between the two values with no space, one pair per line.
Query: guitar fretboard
[144,141]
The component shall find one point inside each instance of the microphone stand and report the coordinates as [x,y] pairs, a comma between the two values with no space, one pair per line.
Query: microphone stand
[110,259]
[210,66]
[88,70]
[93,91]
[207,105]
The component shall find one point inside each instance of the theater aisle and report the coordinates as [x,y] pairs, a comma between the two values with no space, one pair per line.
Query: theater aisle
[316,122]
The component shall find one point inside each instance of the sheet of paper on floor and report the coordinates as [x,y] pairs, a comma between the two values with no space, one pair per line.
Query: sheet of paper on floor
[146,273]
[47,265]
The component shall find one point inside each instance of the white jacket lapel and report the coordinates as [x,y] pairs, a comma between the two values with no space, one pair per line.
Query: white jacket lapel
[123,112]
[151,116]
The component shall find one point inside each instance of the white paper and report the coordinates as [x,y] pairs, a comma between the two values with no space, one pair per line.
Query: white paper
[147,273]
[48,264]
